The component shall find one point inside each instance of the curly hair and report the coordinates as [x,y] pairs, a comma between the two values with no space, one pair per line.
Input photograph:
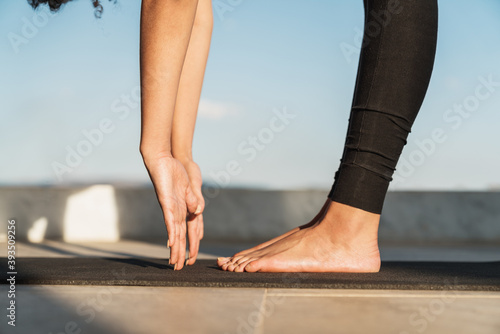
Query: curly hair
[54,5]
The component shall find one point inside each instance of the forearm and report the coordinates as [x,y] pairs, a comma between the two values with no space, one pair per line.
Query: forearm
[191,82]
[165,32]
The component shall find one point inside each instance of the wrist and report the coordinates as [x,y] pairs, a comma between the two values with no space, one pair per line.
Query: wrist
[152,154]
[185,157]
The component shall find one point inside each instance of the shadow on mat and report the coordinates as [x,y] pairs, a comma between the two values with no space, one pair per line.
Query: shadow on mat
[142,263]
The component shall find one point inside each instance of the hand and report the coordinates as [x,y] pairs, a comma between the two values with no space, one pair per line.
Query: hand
[176,199]
[195,222]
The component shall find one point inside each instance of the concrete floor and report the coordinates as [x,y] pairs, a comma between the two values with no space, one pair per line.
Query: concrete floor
[99,309]
[96,310]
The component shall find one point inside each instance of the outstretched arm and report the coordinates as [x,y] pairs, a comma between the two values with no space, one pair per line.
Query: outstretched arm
[165,32]
[186,108]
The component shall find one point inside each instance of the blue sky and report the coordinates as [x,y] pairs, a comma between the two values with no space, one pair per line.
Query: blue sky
[73,72]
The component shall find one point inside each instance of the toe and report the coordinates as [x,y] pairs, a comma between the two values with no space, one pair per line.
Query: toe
[235,258]
[225,265]
[231,267]
[242,259]
[222,260]
[232,263]
[253,266]
[239,269]
[241,266]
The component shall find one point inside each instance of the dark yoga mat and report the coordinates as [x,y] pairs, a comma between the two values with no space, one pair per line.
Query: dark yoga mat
[478,276]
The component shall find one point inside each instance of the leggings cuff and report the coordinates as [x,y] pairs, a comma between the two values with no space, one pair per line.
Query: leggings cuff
[360,188]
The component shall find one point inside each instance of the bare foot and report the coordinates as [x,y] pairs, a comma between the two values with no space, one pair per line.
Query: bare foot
[345,240]
[315,220]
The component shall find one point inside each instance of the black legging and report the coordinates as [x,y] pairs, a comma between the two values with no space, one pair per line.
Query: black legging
[395,66]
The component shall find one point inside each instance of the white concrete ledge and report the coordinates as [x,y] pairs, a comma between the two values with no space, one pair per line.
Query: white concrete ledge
[106,213]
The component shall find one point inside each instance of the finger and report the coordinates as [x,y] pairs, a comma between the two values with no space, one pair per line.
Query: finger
[178,245]
[194,241]
[174,249]
[201,200]
[192,202]
[193,233]
[174,259]
[181,258]
[169,222]
[169,251]
[201,227]
[196,187]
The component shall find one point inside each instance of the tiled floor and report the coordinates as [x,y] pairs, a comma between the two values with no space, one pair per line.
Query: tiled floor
[100,309]
[107,310]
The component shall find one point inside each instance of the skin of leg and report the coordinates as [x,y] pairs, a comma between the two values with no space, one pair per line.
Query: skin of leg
[186,108]
[345,240]
[224,260]
[165,33]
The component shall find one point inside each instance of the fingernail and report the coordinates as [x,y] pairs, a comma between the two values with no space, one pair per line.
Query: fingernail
[198,210]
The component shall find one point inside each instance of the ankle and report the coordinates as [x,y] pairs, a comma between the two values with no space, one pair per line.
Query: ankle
[351,221]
